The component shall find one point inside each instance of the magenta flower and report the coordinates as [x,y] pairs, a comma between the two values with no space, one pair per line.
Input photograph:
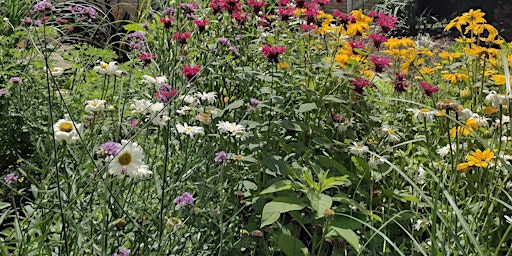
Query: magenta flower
[220,157]
[400,84]
[147,57]
[201,24]
[167,21]
[307,28]
[272,52]
[191,71]
[224,41]
[122,252]
[188,8]
[165,92]
[185,199]
[240,17]
[428,89]
[356,45]
[285,13]
[283,2]
[360,83]
[377,39]
[181,37]
[380,63]
[256,5]
[134,122]
[387,23]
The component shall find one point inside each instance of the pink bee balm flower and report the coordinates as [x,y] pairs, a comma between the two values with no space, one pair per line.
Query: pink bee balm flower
[360,83]
[256,5]
[428,89]
[201,24]
[285,13]
[377,39]
[190,71]
[167,21]
[181,38]
[272,52]
[380,63]
[146,57]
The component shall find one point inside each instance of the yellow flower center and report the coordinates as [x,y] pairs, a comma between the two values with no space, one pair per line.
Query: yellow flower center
[53,70]
[94,104]
[66,127]
[104,66]
[125,158]
[391,131]
[424,110]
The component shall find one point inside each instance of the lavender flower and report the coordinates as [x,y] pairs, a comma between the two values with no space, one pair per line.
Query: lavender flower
[169,11]
[224,41]
[138,38]
[122,252]
[184,199]
[220,157]
[15,80]
[254,102]
[110,148]
[10,178]
[43,6]
[4,92]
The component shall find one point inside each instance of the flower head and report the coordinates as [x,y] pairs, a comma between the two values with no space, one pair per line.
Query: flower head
[220,157]
[380,63]
[359,84]
[10,178]
[272,52]
[66,130]
[428,89]
[122,252]
[201,24]
[182,37]
[189,130]
[104,68]
[129,161]
[43,6]
[94,105]
[236,130]
[167,21]
[15,80]
[110,148]
[185,199]
[477,158]
[191,71]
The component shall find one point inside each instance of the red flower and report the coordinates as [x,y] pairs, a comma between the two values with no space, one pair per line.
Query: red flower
[400,84]
[167,21]
[428,89]
[380,63]
[360,83]
[181,37]
[272,52]
[377,39]
[147,57]
[285,13]
[201,24]
[191,71]
[256,5]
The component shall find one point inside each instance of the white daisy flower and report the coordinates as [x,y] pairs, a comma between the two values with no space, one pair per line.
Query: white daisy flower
[375,161]
[420,178]
[420,224]
[189,130]
[129,161]
[158,80]
[66,130]
[121,73]
[104,68]
[184,110]
[498,99]
[156,108]
[190,99]
[443,151]
[465,114]
[94,105]
[508,219]
[56,71]
[480,120]
[141,106]
[159,119]
[358,148]
[347,123]
[392,137]
[211,97]
[422,115]
[235,129]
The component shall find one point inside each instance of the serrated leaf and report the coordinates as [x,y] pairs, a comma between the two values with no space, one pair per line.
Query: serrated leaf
[305,107]
[291,246]
[347,234]
[272,210]
[320,202]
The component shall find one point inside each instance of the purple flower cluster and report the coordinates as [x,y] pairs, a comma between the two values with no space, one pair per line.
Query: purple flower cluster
[138,38]
[110,148]
[84,12]
[251,106]
[185,199]
[15,80]
[220,157]
[43,6]
[10,178]
[29,22]
[3,92]
[122,252]
[224,41]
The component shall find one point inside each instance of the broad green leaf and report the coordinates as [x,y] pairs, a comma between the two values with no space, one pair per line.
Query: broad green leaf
[306,107]
[236,104]
[272,210]
[362,166]
[289,125]
[410,198]
[133,27]
[320,202]
[290,245]
[281,186]
[347,234]
[308,179]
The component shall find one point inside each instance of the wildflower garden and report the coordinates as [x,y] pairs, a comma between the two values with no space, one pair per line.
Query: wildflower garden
[254,127]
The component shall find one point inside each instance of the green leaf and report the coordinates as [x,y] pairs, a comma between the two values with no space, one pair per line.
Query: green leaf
[133,27]
[320,202]
[410,198]
[4,205]
[289,125]
[347,234]
[281,186]
[236,104]
[362,166]
[272,210]
[290,245]
[306,107]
